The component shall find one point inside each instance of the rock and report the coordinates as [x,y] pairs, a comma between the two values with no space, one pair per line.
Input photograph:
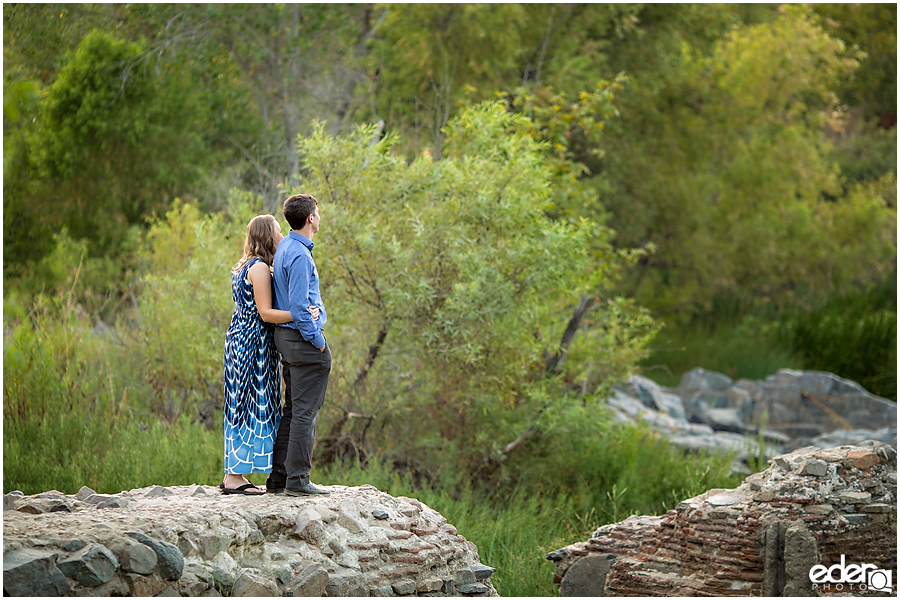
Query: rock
[482,571]
[159,491]
[811,466]
[724,499]
[141,585]
[472,588]
[464,576]
[653,396]
[876,508]
[194,581]
[309,526]
[380,515]
[311,581]
[74,545]
[168,592]
[96,498]
[90,566]
[84,493]
[727,419]
[841,437]
[113,503]
[350,519]
[800,555]
[855,497]
[116,586]
[51,495]
[429,585]
[223,570]
[169,560]
[587,577]
[253,586]
[346,584]
[383,592]
[133,556]
[855,518]
[862,459]
[210,544]
[819,509]
[404,588]
[10,501]
[30,572]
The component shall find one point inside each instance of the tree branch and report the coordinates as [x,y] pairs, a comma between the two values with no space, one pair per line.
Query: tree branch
[554,361]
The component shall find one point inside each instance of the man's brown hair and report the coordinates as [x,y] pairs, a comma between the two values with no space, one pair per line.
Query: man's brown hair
[297,209]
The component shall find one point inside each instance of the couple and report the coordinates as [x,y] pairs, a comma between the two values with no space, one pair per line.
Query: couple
[253,411]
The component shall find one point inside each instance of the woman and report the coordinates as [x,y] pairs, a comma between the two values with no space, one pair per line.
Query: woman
[252,381]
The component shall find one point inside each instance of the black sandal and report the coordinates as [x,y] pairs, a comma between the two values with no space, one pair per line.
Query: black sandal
[242,490]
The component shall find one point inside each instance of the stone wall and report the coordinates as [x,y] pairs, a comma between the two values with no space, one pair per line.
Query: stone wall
[195,541]
[760,539]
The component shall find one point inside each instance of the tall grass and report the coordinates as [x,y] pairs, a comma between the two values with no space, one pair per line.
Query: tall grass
[66,451]
[853,335]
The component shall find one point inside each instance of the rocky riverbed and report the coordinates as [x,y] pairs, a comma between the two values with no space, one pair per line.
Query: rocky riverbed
[195,541]
[757,418]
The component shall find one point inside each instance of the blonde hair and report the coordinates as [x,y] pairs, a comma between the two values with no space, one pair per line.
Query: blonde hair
[260,241]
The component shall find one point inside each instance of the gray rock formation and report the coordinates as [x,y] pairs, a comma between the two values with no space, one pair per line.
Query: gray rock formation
[787,410]
[759,539]
[194,541]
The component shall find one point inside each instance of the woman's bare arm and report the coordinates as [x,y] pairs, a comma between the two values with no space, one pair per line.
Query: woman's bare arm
[261,279]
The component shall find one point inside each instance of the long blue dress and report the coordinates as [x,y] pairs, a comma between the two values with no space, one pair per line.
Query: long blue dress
[252,383]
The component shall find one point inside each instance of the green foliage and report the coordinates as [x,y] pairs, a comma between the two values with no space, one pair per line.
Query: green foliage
[853,335]
[455,264]
[725,170]
[872,28]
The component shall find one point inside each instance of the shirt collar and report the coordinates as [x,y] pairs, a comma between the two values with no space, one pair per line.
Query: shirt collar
[302,239]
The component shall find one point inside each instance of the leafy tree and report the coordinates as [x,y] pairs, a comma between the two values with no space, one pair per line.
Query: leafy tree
[725,169]
[873,29]
[430,59]
[454,287]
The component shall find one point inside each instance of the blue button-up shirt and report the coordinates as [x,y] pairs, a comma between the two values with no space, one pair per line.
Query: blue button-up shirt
[297,287]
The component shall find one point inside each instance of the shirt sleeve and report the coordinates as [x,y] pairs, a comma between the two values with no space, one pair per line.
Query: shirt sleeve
[298,294]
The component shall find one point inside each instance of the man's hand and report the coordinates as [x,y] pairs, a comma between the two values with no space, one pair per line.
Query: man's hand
[322,349]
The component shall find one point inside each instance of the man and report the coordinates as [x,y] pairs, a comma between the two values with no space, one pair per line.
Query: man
[305,356]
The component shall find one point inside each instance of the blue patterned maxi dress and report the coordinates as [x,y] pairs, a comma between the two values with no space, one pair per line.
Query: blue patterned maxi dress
[252,383]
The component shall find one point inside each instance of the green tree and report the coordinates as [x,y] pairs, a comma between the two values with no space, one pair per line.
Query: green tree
[873,29]
[725,169]
[454,288]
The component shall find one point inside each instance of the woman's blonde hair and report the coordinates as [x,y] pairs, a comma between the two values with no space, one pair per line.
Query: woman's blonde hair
[260,242]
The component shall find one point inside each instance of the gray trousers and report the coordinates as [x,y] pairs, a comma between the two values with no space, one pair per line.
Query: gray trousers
[305,370]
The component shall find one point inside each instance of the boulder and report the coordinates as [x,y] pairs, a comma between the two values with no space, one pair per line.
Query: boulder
[92,565]
[357,541]
[31,572]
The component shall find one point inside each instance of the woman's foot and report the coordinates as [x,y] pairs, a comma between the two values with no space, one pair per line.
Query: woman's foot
[233,481]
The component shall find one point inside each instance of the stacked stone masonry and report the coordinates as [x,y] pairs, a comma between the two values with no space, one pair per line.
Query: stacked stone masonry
[195,541]
[761,539]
